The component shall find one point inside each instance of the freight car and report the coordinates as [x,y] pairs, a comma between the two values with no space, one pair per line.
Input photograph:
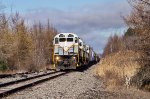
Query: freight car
[71,52]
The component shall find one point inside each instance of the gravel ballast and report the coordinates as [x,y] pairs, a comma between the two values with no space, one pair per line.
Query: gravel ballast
[68,86]
[74,85]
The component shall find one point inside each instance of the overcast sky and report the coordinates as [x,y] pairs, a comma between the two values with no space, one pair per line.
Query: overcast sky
[93,20]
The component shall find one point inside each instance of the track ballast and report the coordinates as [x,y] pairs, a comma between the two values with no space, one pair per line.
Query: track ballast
[14,86]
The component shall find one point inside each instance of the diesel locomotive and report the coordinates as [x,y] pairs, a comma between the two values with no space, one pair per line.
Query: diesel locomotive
[71,52]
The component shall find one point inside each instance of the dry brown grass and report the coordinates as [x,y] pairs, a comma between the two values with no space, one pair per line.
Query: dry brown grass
[119,68]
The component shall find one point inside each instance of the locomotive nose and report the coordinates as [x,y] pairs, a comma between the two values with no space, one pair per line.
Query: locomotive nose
[65,48]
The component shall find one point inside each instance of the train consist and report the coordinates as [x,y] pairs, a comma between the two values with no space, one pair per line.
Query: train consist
[71,52]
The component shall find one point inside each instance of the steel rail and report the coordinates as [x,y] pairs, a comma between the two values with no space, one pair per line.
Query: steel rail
[13,87]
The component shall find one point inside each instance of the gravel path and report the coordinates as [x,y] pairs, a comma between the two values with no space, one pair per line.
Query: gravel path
[75,85]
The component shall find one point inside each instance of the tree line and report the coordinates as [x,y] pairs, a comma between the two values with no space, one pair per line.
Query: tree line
[136,38]
[25,47]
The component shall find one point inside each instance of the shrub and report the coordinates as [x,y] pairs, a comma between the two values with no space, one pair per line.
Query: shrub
[3,66]
[118,69]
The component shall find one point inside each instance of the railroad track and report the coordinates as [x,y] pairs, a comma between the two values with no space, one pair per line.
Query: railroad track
[15,74]
[17,85]
[5,75]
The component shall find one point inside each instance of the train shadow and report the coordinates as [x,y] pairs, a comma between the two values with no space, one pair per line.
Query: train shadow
[81,68]
[85,67]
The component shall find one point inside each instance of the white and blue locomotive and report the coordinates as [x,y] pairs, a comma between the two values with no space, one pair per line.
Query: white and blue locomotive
[71,52]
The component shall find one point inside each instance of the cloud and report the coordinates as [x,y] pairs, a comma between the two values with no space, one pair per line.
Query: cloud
[93,23]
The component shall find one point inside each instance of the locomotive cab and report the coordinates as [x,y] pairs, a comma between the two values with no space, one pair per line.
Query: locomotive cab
[65,51]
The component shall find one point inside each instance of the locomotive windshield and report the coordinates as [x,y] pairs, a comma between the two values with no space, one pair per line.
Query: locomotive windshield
[69,39]
[65,39]
[62,39]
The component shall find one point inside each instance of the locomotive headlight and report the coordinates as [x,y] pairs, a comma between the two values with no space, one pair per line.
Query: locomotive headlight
[57,58]
[74,57]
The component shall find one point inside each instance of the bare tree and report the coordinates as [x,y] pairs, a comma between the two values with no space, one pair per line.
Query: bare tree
[114,44]
[139,21]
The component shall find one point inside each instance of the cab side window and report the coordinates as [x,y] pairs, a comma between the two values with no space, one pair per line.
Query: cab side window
[76,40]
[80,44]
[56,40]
